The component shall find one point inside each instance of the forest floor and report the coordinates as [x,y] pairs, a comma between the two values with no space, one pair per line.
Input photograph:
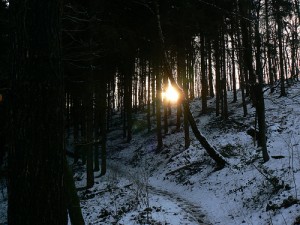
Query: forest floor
[182,186]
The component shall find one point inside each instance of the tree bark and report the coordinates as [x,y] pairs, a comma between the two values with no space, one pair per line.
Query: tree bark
[158,111]
[233,64]
[224,78]
[36,157]
[249,75]
[103,130]
[148,104]
[242,71]
[270,68]
[210,73]
[218,76]
[260,102]
[182,78]
[73,202]
[165,105]
[279,33]
[127,68]
[204,86]
[88,147]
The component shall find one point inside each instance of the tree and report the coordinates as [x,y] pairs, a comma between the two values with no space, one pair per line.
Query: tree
[4,42]
[36,156]
[73,202]
[268,45]
[4,68]
[281,9]
[258,90]
[158,110]
[206,145]
[204,86]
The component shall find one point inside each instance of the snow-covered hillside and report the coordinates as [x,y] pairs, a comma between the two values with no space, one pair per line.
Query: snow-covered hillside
[182,186]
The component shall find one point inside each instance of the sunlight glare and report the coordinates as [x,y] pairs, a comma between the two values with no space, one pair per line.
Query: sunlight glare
[170,94]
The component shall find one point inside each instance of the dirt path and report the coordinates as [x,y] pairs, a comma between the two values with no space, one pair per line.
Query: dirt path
[188,207]
[192,211]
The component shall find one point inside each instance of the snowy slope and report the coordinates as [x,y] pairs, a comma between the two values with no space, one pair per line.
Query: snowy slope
[182,186]
[247,191]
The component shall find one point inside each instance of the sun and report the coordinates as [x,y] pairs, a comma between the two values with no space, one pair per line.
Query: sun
[170,95]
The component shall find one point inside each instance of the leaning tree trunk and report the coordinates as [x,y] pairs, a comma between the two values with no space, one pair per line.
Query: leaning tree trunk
[36,156]
[73,202]
[219,159]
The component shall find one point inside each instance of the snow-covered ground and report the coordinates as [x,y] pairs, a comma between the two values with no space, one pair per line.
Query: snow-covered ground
[182,186]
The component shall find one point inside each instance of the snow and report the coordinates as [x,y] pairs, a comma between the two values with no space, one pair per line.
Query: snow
[3,201]
[182,186]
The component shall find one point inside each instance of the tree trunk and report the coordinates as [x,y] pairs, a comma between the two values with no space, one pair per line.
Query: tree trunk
[185,115]
[36,157]
[165,105]
[103,130]
[158,111]
[182,78]
[127,67]
[224,78]
[180,67]
[270,68]
[219,159]
[148,104]
[153,94]
[88,145]
[249,75]
[242,71]
[210,73]
[73,202]
[260,102]
[233,65]
[97,116]
[218,76]
[204,86]
[190,68]
[76,124]
[206,145]
[279,33]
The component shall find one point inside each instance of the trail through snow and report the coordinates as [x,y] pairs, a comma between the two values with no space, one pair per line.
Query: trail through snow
[193,212]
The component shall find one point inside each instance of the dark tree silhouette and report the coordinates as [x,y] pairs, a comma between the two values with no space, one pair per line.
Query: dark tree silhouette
[36,157]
